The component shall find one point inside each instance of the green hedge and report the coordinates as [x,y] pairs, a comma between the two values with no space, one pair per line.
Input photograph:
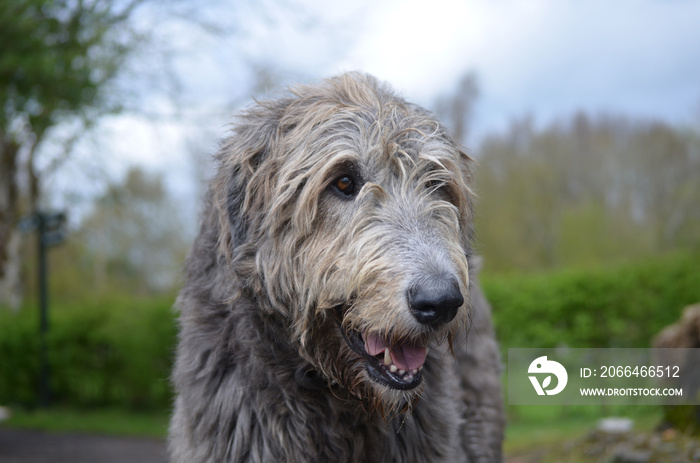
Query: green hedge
[116,353]
[615,307]
[119,352]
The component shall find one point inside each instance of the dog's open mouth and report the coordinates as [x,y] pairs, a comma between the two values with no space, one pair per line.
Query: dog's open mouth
[399,365]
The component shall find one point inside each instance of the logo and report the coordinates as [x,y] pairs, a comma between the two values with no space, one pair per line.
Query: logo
[542,365]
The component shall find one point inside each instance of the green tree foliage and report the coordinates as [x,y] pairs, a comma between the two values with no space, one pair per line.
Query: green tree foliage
[132,241]
[586,191]
[58,59]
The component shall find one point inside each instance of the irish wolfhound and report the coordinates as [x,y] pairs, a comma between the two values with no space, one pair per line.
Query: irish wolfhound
[328,294]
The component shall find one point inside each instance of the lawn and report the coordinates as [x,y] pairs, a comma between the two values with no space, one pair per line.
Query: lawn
[99,421]
[537,427]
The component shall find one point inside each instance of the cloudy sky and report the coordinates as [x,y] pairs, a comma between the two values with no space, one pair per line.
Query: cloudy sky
[546,58]
[540,58]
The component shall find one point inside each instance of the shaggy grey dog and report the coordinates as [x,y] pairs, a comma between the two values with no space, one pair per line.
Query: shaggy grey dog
[328,313]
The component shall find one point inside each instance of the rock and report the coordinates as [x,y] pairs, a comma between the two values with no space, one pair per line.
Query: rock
[668,434]
[5,413]
[628,455]
[684,333]
[614,425]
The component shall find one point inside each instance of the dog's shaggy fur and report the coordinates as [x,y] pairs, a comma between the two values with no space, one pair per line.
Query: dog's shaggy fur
[328,294]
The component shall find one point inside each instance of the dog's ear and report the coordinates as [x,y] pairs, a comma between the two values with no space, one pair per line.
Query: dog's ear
[241,186]
[466,164]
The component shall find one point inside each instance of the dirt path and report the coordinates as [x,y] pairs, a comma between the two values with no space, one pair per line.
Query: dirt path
[23,446]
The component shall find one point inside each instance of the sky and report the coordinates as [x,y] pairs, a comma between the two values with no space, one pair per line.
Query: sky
[545,59]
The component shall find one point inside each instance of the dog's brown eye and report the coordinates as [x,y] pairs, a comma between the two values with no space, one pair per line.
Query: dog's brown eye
[345,185]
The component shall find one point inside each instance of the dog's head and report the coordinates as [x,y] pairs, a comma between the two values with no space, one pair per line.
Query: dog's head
[348,211]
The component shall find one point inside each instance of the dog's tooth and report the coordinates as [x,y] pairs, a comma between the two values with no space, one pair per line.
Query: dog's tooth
[420,368]
[401,372]
[414,371]
[387,356]
[393,368]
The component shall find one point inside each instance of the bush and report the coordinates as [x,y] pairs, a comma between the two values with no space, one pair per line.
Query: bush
[619,307]
[101,353]
[119,352]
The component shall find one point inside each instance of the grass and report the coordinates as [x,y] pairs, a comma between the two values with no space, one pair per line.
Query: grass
[539,428]
[526,435]
[534,433]
[98,421]
[535,426]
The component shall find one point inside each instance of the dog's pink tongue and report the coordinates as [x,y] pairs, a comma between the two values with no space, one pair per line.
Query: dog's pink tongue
[374,345]
[406,356]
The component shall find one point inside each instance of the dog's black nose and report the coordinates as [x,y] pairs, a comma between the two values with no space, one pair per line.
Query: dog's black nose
[435,301]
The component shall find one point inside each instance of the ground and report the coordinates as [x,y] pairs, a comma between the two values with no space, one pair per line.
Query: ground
[31,446]
[26,446]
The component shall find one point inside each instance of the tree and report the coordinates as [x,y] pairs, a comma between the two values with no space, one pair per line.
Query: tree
[133,239]
[456,110]
[586,190]
[58,61]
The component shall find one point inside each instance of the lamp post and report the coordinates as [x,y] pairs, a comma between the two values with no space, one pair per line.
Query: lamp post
[51,230]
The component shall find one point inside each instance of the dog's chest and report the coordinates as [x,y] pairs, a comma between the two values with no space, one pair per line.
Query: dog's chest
[426,435]
[416,438]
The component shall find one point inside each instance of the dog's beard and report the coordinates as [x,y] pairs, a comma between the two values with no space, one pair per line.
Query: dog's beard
[373,391]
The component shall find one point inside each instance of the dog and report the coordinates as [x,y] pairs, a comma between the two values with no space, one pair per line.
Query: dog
[330,311]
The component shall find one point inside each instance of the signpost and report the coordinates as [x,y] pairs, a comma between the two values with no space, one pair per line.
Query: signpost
[51,230]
